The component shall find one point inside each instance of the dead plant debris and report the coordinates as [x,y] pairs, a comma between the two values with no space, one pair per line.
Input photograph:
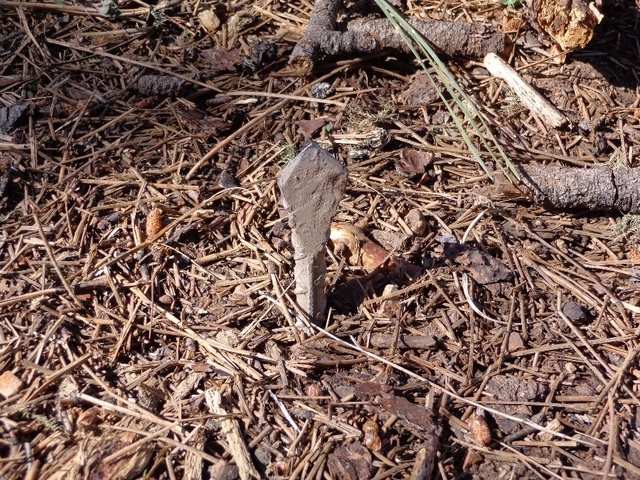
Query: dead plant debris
[147,279]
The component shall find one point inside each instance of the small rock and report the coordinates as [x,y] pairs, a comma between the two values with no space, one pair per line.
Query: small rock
[165,299]
[515,342]
[9,384]
[209,21]
[514,389]
[321,90]
[262,52]
[224,471]
[11,116]
[225,180]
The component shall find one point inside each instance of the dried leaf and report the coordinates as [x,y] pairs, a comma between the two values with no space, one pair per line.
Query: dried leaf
[390,240]
[420,92]
[368,390]
[204,122]
[484,268]
[222,61]
[310,127]
[413,162]
[416,417]
[352,462]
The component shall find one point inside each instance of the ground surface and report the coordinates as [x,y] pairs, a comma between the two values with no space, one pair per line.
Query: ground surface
[131,352]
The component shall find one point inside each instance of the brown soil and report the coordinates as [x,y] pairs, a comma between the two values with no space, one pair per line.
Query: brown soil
[147,328]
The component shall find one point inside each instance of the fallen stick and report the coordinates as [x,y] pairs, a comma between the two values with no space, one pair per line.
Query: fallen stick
[529,96]
[231,430]
[595,188]
[415,342]
[365,36]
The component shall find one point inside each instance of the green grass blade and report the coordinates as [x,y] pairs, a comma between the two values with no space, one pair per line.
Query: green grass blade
[414,41]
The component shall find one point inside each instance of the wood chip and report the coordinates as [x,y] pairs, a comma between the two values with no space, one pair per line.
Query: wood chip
[9,384]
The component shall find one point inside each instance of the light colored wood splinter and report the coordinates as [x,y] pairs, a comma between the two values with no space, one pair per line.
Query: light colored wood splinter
[529,96]
[233,434]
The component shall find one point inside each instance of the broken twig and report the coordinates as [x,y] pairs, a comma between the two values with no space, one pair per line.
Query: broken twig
[568,187]
[368,36]
[530,97]
[231,430]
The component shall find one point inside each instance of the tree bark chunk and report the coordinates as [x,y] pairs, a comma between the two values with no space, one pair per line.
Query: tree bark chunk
[570,23]
[233,435]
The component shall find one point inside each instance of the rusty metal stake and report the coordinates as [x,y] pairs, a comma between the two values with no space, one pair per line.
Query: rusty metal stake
[312,185]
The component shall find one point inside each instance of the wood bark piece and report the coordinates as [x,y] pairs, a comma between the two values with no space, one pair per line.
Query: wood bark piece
[415,342]
[530,97]
[424,463]
[569,187]
[570,23]
[366,36]
[312,185]
[231,429]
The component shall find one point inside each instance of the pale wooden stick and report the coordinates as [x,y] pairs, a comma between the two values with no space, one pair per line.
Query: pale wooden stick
[530,97]
[231,429]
